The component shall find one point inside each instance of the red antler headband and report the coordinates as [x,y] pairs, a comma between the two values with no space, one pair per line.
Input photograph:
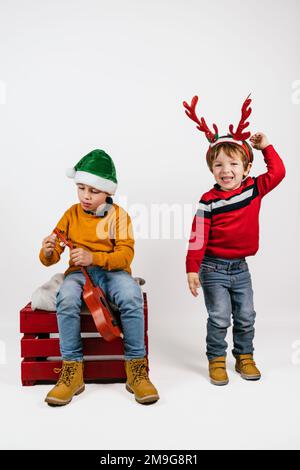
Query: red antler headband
[238,137]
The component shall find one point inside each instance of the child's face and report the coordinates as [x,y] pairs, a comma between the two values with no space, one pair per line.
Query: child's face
[90,198]
[229,171]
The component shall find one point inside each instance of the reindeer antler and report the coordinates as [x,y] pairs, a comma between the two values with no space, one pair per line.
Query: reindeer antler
[202,126]
[239,134]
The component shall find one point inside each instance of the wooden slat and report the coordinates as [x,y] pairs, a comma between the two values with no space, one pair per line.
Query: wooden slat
[35,347]
[42,322]
[33,371]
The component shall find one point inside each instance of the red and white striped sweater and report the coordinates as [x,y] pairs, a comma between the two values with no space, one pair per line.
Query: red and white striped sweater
[226,224]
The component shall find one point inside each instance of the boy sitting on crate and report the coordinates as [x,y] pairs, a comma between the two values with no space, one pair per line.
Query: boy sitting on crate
[101,232]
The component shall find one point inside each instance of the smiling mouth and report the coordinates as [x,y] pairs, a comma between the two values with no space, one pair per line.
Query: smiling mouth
[227,179]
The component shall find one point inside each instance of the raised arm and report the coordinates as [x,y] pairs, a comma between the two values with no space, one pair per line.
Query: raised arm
[275,167]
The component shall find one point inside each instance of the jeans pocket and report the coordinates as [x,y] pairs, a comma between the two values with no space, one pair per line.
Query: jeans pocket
[207,268]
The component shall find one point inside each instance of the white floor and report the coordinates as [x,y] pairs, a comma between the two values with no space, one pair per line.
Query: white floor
[191,414]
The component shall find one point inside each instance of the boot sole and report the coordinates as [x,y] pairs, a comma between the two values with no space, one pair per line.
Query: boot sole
[58,402]
[248,377]
[147,399]
[219,382]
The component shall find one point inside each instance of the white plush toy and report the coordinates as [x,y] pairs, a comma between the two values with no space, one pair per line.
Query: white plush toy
[44,297]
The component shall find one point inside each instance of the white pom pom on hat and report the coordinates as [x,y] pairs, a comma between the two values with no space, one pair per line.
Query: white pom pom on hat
[70,172]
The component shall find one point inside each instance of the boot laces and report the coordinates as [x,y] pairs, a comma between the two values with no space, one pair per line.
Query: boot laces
[67,374]
[139,371]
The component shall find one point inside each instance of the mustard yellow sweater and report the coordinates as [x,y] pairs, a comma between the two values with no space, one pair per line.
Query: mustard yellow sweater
[109,238]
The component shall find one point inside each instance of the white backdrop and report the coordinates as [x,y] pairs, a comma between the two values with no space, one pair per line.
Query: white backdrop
[78,75]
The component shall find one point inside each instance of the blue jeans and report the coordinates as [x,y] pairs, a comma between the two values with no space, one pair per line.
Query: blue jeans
[122,290]
[228,291]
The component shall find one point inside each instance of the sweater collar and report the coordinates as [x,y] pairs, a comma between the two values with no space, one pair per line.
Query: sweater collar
[244,183]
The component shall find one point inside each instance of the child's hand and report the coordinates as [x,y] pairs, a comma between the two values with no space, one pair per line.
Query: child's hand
[194,283]
[259,141]
[48,245]
[81,257]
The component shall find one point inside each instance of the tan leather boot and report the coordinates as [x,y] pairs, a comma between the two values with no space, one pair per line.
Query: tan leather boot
[245,366]
[70,383]
[138,381]
[217,371]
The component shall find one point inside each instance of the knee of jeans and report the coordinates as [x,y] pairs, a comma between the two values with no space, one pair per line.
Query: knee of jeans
[218,320]
[67,297]
[245,317]
[131,297]
[245,322]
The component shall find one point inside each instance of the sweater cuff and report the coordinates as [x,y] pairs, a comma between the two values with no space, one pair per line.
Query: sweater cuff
[98,259]
[192,266]
[267,149]
[46,261]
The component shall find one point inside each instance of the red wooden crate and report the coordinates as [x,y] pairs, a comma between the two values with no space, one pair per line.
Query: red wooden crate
[103,360]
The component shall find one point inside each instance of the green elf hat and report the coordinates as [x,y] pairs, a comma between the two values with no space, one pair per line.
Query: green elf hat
[95,169]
